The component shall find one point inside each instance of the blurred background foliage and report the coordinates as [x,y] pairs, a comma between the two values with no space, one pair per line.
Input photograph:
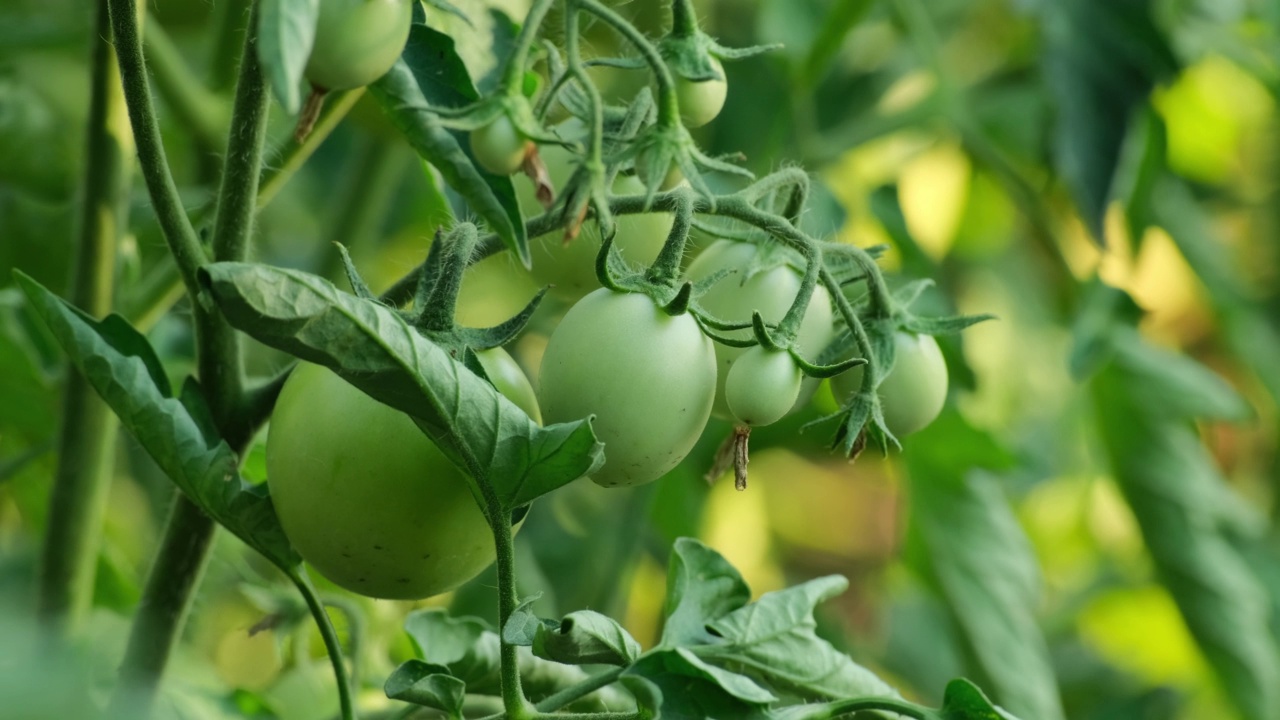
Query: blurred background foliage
[1088,531]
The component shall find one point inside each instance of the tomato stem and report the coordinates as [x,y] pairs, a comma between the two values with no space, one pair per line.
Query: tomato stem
[86,439]
[554,702]
[332,646]
[668,101]
[513,699]
[295,153]
[514,67]
[198,111]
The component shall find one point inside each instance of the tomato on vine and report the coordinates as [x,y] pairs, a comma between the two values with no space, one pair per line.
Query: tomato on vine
[648,378]
[769,292]
[366,497]
[701,101]
[357,41]
[499,146]
[762,386]
[914,391]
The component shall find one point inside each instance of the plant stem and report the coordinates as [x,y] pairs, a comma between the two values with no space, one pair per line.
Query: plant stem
[330,637]
[554,702]
[295,153]
[513,71]
[513,699]
[163,609]
[86,440]
[233,23]
[668,104]
[237,193]
[176,226]
[196,108]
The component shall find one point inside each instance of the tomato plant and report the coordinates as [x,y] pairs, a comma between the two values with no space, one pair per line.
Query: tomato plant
[606,358]
[366,498]
[279,406]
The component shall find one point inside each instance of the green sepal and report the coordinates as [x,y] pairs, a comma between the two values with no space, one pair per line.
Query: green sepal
[502,333]
[760,329]
[825,371]
[942,325]
[679,304]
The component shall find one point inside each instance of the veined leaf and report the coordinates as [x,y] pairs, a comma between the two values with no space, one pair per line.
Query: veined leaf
[373,348]
[586,637]
[428,685]
[701,586]
[120,364]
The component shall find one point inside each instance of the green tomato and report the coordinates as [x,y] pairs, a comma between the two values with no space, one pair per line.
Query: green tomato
[648,378]
[762,386]
[700,102]
[570,268]
[357,41]
[914,391]
[499,147]
[366,498]
[771,292]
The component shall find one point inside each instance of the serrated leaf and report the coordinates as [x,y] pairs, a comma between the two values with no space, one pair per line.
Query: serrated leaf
[122,367]
[1176,383]
[1102,59]
[701,586]
[492,197]
[1182,505]
[982,563]
[774,638]
[286,32]
[428,685]
[372,347]
[586,637]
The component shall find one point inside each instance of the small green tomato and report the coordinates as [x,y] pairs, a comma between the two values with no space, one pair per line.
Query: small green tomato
[700,102]
[914,391]
[499,146]
[762,386]
[357,41]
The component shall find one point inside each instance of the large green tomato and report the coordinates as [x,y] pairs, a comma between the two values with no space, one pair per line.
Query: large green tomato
[571,268]
[357,41]
[771,292]
[366,498]
[700,102]
[649,379]
[914,391]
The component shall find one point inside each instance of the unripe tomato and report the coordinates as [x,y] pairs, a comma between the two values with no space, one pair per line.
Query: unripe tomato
[498,146]
[700,102]
[648,377]
[357,41]
[368,499]
[762,386]
[771,292]
[571,268]
[914,391]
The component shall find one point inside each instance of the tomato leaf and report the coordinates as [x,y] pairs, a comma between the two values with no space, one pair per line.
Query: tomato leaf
[681,693]
[978,557]
[964,701]
[1187,515]
[121,365]
[373,348]
[286,32]
[1102,59]
[774,639]
[428,685]
[585,637]
[701,586]
[430,72]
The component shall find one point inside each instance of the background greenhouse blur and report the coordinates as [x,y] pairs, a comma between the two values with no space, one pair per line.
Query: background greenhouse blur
[972,137]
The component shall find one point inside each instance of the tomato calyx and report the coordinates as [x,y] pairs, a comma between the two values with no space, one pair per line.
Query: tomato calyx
[435,299]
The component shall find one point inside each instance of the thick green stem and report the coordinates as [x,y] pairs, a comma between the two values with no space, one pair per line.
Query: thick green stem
[238,191]
[551,703]
[513,699]
[163,610]
[666,267]
[574,61]
[513,71]
[86,440]
[174,223]
[668,103]
[331,643]
[232,24]
[294,154]
[368,188]
[198,110]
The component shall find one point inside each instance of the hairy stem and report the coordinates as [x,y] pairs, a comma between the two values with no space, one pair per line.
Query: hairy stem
[554,702]
[174,223]
[232,24]
[513,70]
[86,440]
[198,110]
[163,610]
[513,699]
[668,104]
